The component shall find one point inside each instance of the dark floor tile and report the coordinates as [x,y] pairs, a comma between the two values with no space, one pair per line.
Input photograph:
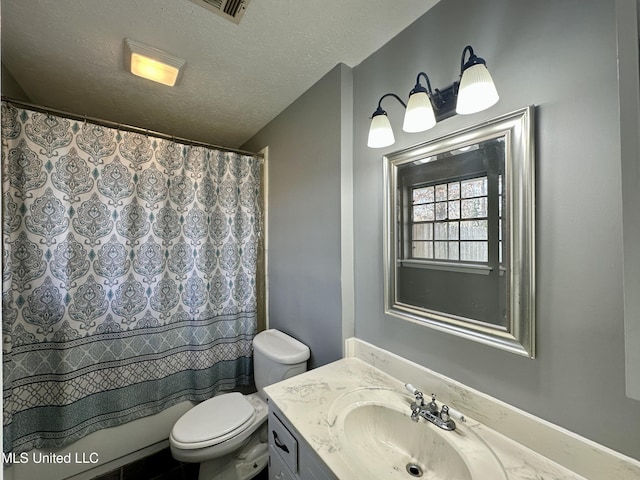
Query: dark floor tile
[162,466]
[112,475]
[151,467]
[190,471]
[263,475]
[174,474]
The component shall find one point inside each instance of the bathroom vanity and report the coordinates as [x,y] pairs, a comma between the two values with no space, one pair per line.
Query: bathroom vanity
[351,420]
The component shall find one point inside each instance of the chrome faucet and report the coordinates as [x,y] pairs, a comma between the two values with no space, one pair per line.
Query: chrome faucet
[430,412]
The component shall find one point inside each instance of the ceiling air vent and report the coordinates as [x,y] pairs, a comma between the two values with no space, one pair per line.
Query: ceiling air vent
[230,9]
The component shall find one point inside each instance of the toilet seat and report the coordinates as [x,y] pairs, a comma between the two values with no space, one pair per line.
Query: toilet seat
[213,421]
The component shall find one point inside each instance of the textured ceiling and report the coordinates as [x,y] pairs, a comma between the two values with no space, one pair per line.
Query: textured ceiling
[68,55]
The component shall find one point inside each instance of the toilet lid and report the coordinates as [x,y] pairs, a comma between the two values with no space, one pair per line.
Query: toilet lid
[213,418]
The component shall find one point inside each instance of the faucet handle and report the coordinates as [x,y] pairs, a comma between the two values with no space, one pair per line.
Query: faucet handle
[444,413]
[415,413]
[414,391]
[445,417]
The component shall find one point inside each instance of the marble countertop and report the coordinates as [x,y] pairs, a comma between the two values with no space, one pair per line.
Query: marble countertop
[307,401]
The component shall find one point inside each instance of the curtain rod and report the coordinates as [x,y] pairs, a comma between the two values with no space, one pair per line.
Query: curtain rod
[130,128]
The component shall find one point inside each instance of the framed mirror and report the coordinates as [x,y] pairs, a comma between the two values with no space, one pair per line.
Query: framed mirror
[459,244]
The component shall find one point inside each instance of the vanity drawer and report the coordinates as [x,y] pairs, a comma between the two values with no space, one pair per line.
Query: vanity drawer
[282,442]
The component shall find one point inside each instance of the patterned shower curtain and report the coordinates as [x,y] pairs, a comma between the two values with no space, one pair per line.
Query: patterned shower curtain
[129,275]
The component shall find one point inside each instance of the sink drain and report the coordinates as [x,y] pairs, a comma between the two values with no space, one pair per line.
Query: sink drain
[414,470]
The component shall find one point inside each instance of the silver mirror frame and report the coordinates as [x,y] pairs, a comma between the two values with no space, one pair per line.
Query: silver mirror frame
[519,334]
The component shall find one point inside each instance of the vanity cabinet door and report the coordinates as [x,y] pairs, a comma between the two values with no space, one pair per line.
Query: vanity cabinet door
[278,470]
[301,462]
[283,442]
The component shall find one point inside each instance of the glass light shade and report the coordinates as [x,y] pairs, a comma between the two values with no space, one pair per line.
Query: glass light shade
[477,91]
[419,115]
[154,70]
[380,132]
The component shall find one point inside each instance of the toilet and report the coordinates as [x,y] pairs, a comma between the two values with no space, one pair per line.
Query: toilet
[227,434]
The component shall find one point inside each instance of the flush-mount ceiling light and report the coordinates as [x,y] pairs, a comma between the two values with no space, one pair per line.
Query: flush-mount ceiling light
[152,63]
[473,93]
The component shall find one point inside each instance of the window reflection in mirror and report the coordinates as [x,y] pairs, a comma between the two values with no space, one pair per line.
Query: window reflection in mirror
[459,233]
[450,242]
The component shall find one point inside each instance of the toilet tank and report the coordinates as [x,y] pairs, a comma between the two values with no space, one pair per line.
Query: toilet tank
[277,356]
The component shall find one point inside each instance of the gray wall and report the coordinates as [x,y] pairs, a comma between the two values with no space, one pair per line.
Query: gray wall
[557,54]
[561,56]
[306,148]
[10,87]
[628,15]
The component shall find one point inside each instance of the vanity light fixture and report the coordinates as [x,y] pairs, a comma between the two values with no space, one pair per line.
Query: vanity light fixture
[152,63]
[472,93]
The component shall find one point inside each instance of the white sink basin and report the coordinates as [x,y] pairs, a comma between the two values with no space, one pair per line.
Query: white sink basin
[373,433]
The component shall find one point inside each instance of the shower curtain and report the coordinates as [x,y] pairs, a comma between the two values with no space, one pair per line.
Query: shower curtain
[129,275]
